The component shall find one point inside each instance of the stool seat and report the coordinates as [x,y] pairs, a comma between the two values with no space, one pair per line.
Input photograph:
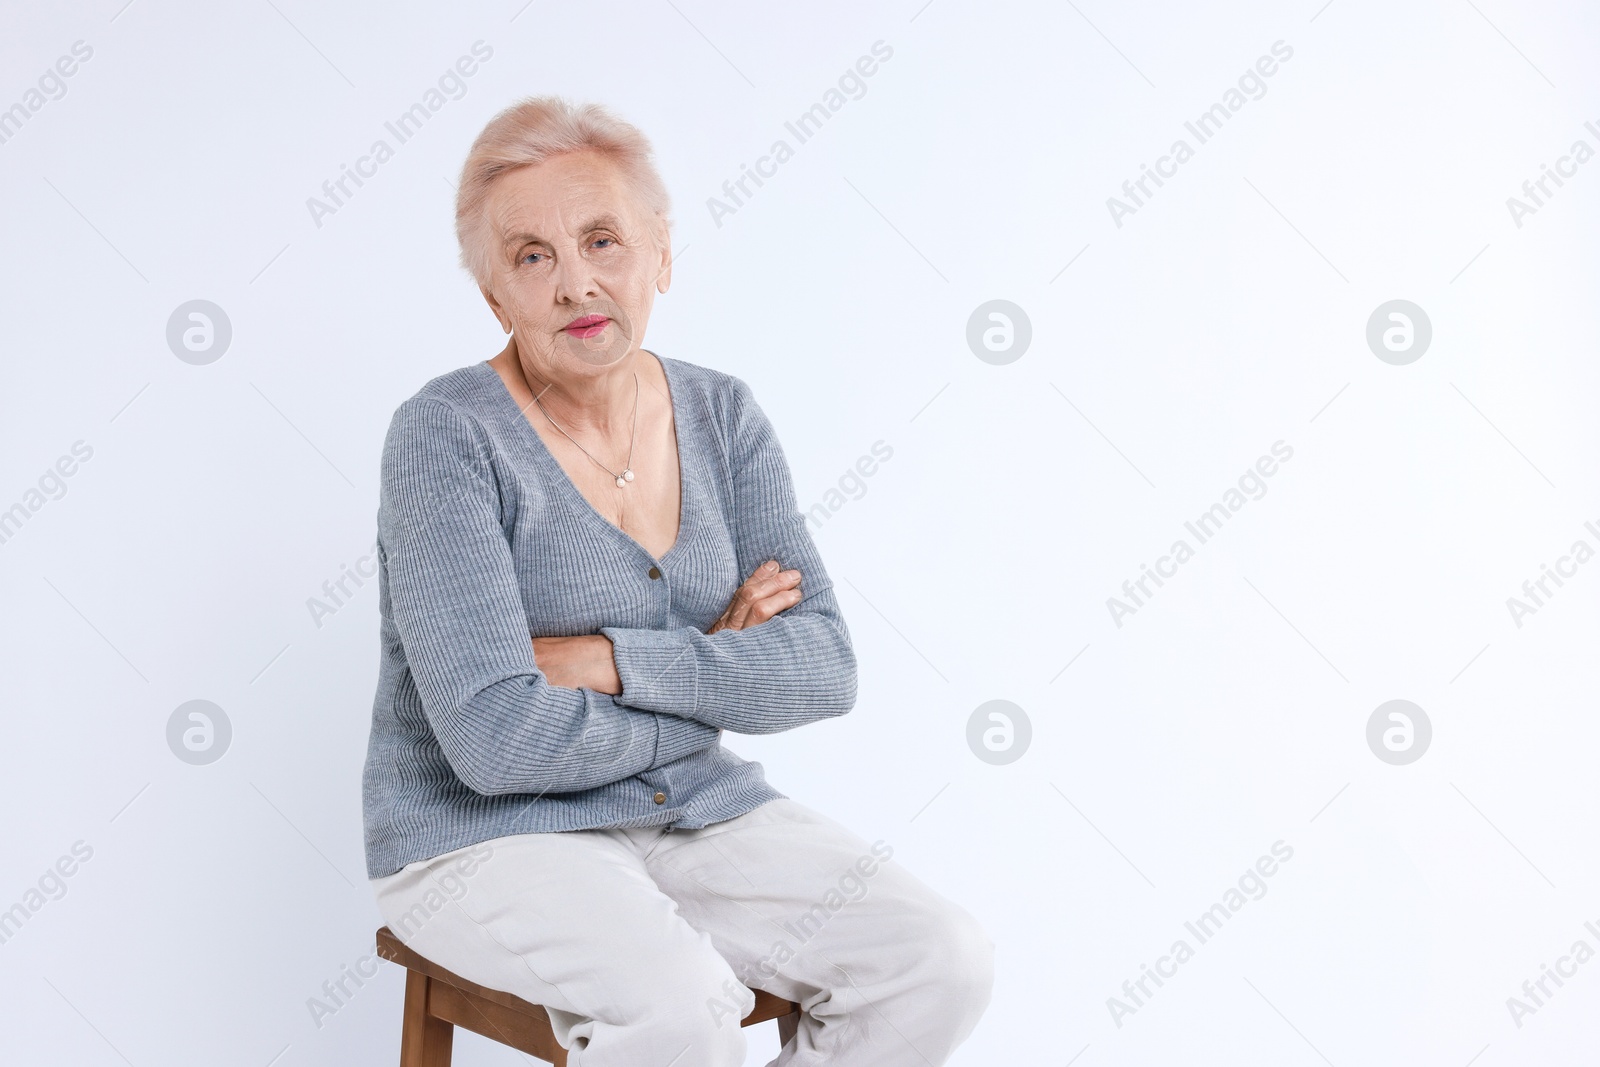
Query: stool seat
[438,1000]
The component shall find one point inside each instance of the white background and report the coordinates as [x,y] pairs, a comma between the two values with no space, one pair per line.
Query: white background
[1228,313]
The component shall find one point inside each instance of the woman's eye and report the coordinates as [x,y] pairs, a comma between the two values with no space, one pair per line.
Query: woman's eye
[604,241]
[528,256]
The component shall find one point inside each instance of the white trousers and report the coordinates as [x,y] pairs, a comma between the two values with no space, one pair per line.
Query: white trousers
[640,941]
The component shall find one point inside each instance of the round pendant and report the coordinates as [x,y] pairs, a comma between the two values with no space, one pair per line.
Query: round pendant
[621,483]
[628,474]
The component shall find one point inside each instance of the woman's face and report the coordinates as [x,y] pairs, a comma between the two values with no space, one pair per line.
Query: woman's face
[570,243]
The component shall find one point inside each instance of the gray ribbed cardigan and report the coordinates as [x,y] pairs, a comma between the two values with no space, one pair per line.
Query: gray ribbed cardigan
[484,543]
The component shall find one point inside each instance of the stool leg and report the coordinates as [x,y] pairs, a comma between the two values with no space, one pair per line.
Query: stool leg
[424,1040]
[787,1026]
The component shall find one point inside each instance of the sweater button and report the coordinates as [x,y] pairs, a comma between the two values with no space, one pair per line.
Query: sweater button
[661,798]
[654,572]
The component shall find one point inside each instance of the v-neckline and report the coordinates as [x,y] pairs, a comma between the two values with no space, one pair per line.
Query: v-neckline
[569,489]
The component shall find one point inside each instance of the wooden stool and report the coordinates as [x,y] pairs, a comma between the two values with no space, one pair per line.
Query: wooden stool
[437,1001]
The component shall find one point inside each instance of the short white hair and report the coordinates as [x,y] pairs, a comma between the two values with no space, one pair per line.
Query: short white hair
[532,131]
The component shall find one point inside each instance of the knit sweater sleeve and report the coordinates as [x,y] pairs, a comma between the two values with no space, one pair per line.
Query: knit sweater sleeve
[797,667]
[455,600]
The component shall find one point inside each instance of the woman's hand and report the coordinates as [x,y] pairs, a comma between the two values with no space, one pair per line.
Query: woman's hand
[586,661]
[764,594]
[582,662]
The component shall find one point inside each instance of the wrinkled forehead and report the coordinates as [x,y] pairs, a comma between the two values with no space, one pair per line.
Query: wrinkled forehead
[564,197]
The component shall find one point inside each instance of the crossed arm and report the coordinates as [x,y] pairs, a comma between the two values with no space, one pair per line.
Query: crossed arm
[514,714]
[588,661]
[788,668]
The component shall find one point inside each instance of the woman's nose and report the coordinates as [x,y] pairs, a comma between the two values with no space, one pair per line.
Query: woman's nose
[575,282]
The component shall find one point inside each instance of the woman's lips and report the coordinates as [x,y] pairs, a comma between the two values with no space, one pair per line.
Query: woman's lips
[588,326]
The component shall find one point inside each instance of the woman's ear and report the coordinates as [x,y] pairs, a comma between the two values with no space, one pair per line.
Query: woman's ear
[499,312]
[664,242]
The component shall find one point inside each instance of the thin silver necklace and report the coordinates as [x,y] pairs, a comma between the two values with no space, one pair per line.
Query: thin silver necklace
[627,472]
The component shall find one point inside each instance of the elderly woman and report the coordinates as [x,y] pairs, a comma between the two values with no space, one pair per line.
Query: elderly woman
[563,530]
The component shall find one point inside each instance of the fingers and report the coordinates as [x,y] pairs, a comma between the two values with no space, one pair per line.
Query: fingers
[764,594]
[766,580]
[762,610]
